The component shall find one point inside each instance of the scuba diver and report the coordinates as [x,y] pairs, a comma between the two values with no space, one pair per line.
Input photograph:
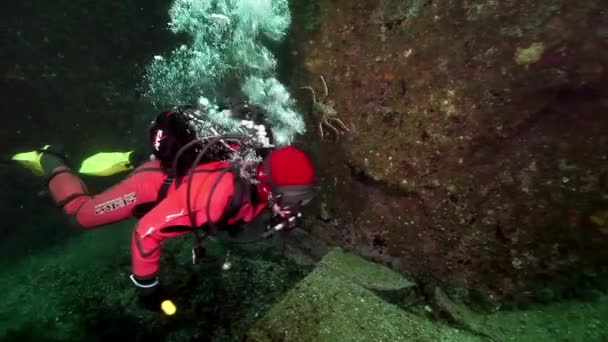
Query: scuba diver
[190,184]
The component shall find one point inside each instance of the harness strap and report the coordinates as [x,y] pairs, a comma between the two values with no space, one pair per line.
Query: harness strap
[240,195]
[70,198]
[241,187]
[164,188]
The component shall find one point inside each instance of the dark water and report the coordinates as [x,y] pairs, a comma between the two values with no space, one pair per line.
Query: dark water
[71,75]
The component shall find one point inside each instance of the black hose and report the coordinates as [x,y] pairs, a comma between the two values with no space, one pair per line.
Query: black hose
[174,164]
[209,143]
[191,176]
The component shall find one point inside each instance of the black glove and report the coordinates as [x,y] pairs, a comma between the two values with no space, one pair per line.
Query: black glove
[151,300]
[153,297]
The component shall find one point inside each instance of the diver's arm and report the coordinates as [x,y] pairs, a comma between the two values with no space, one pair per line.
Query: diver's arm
[170,218]
[112,205]
[248,212]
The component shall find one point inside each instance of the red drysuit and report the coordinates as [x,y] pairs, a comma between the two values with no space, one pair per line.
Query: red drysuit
[168,218]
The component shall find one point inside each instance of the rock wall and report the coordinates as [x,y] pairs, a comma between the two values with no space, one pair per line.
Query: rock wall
[477,152]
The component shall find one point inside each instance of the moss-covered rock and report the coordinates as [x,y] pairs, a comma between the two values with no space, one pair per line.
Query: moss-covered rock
[80,290]
[478,148]
[331,304]
[565,321]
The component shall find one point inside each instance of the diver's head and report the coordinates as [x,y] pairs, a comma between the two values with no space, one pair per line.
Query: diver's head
[286,177]
[169,132]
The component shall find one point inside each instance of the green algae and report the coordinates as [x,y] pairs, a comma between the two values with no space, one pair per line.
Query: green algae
[530,54]
[363,272]
[564,321]
[80,290]
[329,306]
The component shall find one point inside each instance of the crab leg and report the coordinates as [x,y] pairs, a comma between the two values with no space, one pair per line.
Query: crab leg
[337,132]
[341,123]
[324,87]
[314,99]
[331,126]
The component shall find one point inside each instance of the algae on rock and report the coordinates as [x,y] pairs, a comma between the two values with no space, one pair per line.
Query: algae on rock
[331,305]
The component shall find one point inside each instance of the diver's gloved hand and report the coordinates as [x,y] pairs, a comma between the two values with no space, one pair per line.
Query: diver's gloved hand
[151,300]
[153,297]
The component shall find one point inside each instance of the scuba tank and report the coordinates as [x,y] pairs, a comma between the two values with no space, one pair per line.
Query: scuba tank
[244,148]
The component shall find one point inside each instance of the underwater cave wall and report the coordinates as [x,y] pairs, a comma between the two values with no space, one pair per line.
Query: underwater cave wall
[477,156]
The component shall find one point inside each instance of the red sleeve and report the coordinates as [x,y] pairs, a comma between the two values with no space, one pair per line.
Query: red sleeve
[209,197]
[248,212]
[112,205]
[153,229]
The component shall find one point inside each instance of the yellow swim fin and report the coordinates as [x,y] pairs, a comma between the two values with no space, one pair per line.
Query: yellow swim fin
[31,160]
[106,163]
